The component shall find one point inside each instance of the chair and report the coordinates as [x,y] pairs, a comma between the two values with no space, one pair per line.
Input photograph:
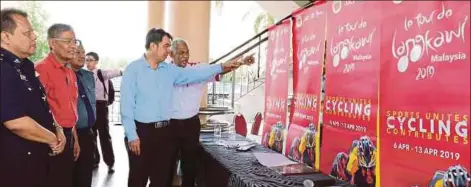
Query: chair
[240,124]
[256,123]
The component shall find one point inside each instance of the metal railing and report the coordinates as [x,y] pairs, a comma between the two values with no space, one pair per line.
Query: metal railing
[238,83]
[114,114]
[231,89]
[235,85]
[241,82]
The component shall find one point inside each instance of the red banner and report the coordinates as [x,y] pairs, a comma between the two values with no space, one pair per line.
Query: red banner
[351,102]
[308,53]
[276,85]
[425,90]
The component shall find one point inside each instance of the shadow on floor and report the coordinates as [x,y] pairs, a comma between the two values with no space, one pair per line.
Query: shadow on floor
[119,178]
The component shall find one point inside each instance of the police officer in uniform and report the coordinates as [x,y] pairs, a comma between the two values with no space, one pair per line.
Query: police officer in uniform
[27,133]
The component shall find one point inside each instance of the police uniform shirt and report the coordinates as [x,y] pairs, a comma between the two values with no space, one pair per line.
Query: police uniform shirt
[21,95]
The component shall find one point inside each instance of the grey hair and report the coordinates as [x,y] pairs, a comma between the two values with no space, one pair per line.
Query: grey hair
[81,46]
[55,30]
[175,43]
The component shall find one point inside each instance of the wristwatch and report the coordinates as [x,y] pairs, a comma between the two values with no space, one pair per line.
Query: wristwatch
[58,127]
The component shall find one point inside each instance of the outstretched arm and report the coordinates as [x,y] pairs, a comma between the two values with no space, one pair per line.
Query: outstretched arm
[248,60]
[109,74]
[201,73]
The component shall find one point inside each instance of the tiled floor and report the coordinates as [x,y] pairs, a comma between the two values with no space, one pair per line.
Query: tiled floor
[101,178]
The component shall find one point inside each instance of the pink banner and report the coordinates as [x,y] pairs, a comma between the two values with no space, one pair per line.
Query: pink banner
[425,89]
[351,92]
[276,85]
[308,53]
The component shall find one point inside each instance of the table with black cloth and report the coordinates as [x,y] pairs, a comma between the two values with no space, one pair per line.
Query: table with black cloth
[213,110]
[220,166]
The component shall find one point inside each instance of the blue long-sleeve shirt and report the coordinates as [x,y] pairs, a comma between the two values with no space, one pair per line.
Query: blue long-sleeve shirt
[147,94]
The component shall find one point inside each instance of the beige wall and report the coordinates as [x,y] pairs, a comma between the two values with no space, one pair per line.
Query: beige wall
[155,11]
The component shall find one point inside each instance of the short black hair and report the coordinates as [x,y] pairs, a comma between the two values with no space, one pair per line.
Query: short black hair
[56,29]
[155,36]
[94,55]
[8,23]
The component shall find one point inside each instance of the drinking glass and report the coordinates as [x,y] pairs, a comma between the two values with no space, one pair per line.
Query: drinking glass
[232,133]
[217,131]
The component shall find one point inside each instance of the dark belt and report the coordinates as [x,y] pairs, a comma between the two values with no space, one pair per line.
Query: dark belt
[158,124]
[101,102]
[67,129]
[84,130]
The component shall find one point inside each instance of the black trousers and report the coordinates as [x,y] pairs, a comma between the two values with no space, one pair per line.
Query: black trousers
[186,135]
[154,162]
[22,166]
[83,169]
[61,166]
[102,130]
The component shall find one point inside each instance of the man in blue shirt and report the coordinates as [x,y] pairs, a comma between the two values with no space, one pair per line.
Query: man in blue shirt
[27,130]
[185,121]
[146,106]
[86,108]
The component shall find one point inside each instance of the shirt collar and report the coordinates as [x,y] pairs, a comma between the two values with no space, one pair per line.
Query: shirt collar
[9,57]
[146,63]
[189,64]
[52,58]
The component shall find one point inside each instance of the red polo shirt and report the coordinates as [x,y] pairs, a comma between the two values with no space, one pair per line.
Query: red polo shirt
[60,84]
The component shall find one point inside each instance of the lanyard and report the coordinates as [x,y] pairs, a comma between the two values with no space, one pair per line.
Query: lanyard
[28,84]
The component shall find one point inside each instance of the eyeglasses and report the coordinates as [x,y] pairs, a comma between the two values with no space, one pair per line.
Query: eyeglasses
[69,41]
[89,60]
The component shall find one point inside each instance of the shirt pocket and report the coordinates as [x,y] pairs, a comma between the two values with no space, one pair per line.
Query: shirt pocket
[59,93]
[145,83]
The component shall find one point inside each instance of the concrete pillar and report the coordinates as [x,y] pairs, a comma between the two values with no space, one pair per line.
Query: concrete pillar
[155,14]
[190,20]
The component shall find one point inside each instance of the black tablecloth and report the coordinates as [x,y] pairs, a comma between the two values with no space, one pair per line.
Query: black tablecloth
[221,166]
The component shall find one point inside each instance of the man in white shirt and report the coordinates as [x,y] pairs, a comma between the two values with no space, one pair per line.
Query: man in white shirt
[185,122]
[102,90]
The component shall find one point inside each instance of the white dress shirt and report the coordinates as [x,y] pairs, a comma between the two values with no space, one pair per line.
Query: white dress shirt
[187,98]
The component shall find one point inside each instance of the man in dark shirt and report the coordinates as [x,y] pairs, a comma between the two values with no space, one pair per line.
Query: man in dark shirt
[27,130]
[86,105]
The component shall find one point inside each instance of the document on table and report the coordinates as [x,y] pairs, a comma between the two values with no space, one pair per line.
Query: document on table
[233,143]
[273,159]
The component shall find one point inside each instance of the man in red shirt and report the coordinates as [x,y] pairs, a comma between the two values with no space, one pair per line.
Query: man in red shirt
[60,84]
